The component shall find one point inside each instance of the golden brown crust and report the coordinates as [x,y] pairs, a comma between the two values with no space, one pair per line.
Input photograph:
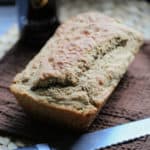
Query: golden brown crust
[115,47]
[46,112]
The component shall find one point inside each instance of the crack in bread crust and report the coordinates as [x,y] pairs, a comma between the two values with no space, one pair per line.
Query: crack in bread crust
[90,87]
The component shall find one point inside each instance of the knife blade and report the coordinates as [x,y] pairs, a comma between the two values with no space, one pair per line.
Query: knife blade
[106,137]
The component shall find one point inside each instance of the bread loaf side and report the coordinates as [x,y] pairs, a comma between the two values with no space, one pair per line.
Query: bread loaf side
[73,75]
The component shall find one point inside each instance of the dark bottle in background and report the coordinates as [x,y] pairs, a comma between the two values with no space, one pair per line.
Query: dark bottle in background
[37,20]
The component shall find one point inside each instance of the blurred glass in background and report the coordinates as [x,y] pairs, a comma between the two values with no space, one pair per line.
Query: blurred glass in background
[37,20]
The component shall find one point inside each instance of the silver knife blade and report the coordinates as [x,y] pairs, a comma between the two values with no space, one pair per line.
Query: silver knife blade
[113,135]
[106,137]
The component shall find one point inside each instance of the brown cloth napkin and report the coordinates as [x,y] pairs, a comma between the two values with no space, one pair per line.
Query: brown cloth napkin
[129,102]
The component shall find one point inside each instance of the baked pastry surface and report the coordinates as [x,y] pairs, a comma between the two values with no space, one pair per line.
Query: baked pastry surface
[73,75]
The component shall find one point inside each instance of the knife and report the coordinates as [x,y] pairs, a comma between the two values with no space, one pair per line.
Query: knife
[104,138]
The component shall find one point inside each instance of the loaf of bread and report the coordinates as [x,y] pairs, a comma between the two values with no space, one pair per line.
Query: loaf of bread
[73,75]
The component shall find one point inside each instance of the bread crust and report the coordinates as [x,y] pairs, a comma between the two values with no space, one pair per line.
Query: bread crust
[47,113]
[71,85]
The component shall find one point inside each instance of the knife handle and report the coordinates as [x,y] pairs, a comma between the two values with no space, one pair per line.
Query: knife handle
[37,147]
